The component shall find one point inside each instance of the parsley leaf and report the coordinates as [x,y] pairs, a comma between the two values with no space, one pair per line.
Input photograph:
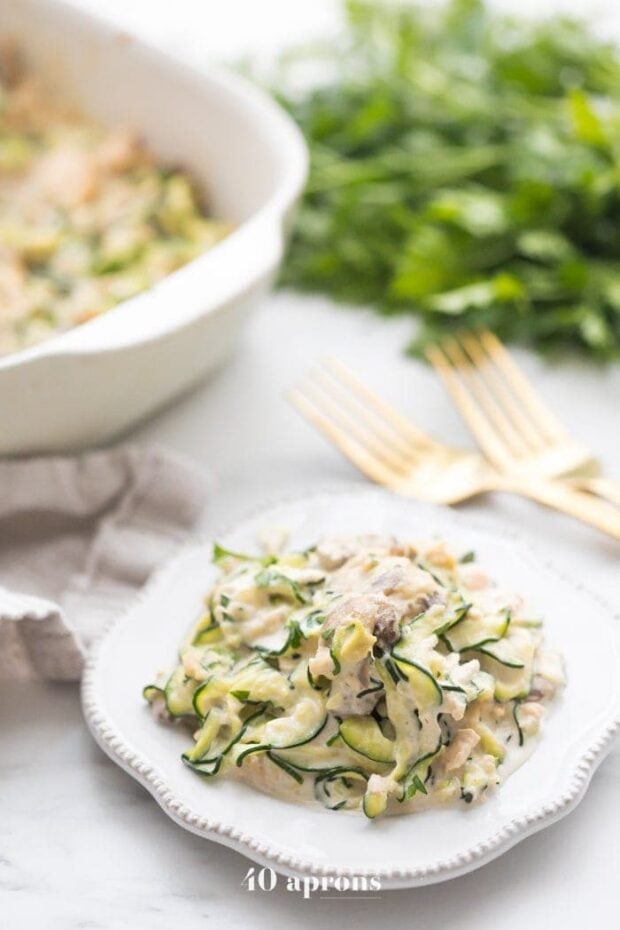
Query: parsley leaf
[464,171]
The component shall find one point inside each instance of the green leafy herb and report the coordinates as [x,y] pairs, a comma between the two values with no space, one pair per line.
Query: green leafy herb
[241,695]
[464,169]
[295,635]
[219,553]
[416,785]
[270,578]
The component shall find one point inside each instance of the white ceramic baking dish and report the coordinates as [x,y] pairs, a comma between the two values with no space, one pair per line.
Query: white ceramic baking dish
[88,385]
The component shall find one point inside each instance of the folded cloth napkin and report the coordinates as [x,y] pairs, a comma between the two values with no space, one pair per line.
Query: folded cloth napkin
[78,537]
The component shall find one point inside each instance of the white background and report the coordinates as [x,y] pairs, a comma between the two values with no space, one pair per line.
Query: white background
[81,844]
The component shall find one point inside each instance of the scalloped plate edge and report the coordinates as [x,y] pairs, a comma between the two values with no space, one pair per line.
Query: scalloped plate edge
[140,768]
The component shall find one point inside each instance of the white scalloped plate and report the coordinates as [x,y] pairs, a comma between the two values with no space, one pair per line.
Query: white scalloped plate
[402,851]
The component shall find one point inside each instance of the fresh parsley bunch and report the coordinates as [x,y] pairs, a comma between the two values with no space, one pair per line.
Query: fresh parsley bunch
[465,169]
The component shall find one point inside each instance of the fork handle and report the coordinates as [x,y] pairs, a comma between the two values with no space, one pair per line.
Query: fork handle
[605,488]
[578,504]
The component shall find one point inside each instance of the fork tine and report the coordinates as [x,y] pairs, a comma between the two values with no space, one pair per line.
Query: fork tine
[363,418]
[401,426]
[487,402]
[478,422]
[367,463]
[322,394]
[504,396]
[547,422]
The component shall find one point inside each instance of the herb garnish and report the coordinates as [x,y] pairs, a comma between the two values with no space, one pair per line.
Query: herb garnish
[464,170]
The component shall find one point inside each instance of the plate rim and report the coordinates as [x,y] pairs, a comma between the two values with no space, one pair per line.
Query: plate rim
[518,828]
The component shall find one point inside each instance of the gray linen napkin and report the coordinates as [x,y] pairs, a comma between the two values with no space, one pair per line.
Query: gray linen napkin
[78,537]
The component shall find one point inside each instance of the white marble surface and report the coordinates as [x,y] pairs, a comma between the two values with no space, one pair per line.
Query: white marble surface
[83,846]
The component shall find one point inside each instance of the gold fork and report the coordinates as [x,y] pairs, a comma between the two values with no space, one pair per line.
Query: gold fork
[391,451]
[512,426]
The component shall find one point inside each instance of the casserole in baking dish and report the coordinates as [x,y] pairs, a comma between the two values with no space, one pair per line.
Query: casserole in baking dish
[93,382]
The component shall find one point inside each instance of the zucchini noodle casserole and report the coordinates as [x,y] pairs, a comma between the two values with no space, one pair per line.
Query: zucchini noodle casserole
[363,673]
[88,218]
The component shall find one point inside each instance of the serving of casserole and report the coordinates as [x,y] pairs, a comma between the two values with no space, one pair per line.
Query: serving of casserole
[366,673]
[303,672]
